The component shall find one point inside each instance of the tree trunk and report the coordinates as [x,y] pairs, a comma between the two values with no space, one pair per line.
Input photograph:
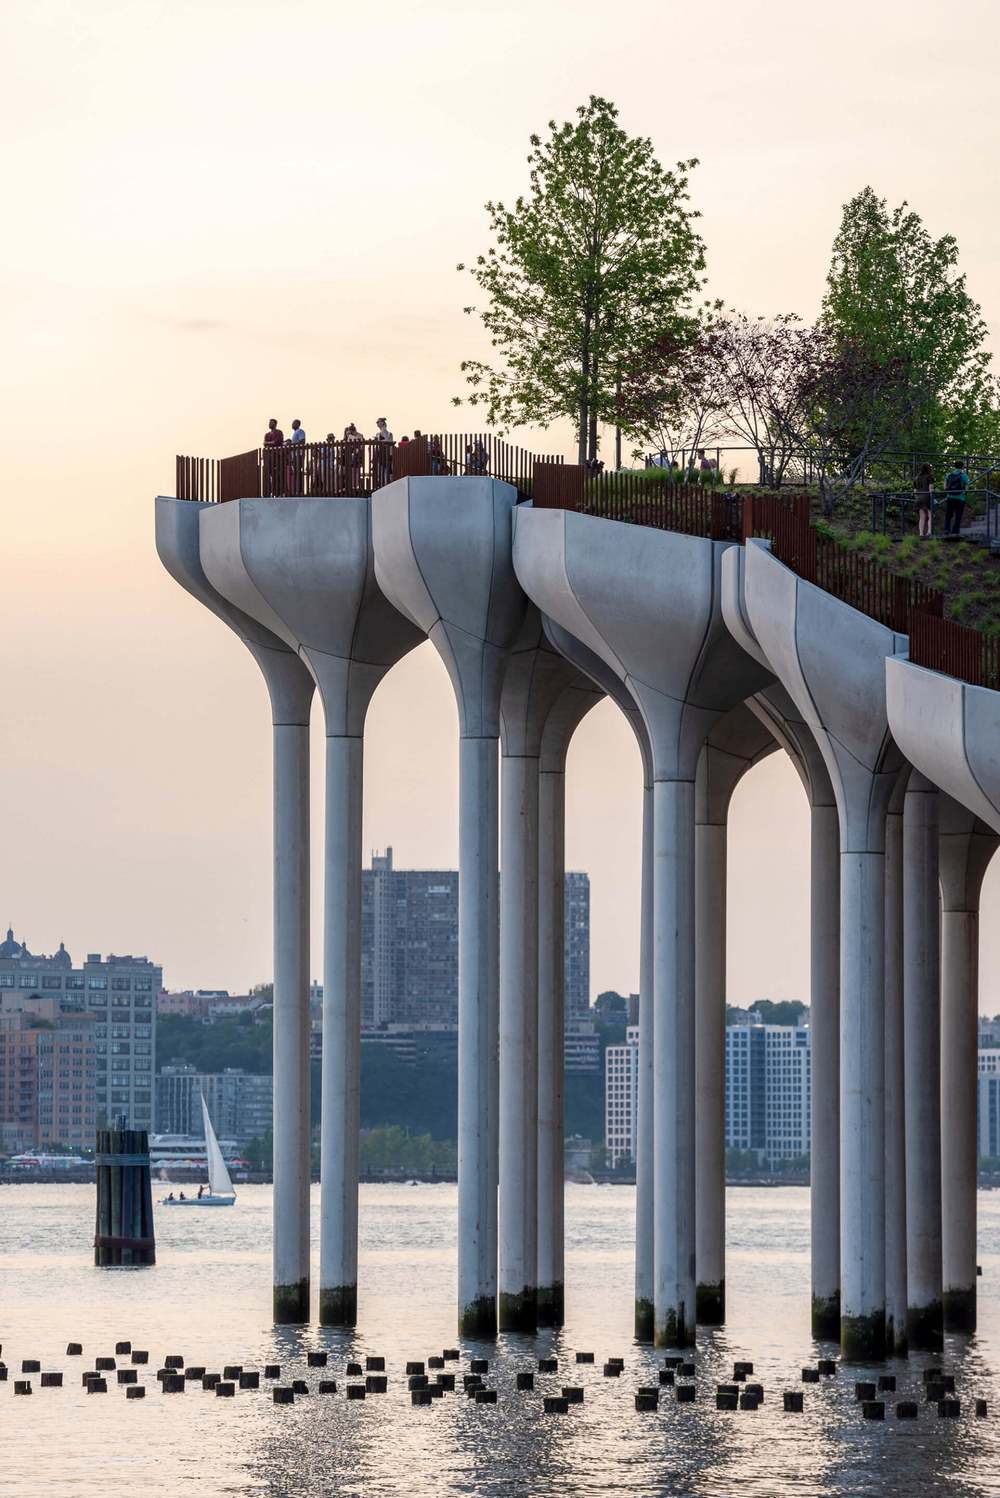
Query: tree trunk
[584,392]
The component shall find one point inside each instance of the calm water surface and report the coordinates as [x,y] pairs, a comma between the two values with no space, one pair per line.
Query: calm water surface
[208,1299]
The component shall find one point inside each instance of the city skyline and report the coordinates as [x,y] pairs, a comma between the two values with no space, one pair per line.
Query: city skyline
[138,747]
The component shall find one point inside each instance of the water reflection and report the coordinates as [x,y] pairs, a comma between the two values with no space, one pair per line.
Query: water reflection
[208,1299]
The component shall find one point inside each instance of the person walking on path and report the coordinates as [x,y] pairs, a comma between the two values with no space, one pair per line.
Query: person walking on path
[956,486]
[274,441]
[923,493]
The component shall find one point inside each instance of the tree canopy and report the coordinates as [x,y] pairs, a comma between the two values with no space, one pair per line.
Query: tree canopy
[896,299]
[596,262]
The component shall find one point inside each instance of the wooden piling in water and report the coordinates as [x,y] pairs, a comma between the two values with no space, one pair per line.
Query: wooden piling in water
[123,1234]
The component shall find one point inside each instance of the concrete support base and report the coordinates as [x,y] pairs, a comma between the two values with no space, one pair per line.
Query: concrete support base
[338,1305]
[710,1303]
[517,1312]
[291,1303]
[826,1318]
[551,1305]
[478,1318]
[862,1338]
[960,1310]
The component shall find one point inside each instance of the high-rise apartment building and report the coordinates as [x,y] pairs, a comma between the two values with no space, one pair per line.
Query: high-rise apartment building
[768,1090]
[409,946]
[621,1086]
[121,993]
[988,1103]
[239,1103]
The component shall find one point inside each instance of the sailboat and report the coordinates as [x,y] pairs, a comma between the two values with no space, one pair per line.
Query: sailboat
[220,1186]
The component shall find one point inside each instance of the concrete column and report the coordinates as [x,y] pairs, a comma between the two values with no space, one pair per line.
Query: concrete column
[862,1105]
[478,976]
[710,1071]
[179,541]
[966,847]
[824,1019]
[673,1063]
[895,1113]
[518,1202]
[304,569]
[341,1076]
[291,1022]
[922,1048]
[644,1089]
[959,1062]
[442,557]
[551,1016]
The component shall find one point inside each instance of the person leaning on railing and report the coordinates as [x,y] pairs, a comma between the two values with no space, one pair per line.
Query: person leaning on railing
[477,459]
[439,463]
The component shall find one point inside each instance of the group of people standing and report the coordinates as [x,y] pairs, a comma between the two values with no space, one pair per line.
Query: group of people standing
[956,485]
[336,465]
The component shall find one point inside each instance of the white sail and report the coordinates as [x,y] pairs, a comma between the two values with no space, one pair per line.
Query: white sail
[219,1181]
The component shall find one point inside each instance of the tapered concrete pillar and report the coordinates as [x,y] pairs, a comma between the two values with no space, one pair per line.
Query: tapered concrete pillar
[573,703]
[304,568]
[966,847]
[290,689]
[442,556]
[922,1051]
[737,742]
[609,683]
[624,591]
[788,726]
[896,1341]
[534,680]
[830,659]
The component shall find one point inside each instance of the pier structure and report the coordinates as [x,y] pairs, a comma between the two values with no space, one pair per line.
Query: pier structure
[723,636]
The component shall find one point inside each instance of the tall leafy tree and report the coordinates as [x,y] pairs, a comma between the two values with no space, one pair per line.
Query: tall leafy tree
[599,259]
[895,297]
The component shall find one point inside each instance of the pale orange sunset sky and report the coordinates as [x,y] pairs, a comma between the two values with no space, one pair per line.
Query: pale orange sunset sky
[217,212]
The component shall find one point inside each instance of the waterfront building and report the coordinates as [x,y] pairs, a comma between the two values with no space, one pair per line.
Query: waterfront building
[121,993]
[239,1103]
[621,1092]
[768,1090]
[48,1072]
[409,953]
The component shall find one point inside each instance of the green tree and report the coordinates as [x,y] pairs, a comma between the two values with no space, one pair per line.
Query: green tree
[599,260]
[895,296]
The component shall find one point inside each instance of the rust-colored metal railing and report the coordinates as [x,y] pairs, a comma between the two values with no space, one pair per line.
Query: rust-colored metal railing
[635,500]
[956,650]
[856,580]
[353,467]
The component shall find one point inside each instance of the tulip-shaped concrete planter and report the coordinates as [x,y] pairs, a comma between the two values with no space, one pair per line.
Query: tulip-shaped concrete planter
[831,661]
[647,603]
[784,720]
[442,556]
[950,731]
[305,569]
[290,689]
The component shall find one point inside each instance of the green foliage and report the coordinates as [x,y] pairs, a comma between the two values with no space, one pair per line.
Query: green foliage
[895,293]
[421,1097]
[773,1011]
[596,262]
[235,1041]
[391,1148]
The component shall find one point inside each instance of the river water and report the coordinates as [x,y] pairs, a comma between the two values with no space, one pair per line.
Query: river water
[208,1300]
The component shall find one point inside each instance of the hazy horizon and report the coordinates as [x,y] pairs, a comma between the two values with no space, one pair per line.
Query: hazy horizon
[221,214]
